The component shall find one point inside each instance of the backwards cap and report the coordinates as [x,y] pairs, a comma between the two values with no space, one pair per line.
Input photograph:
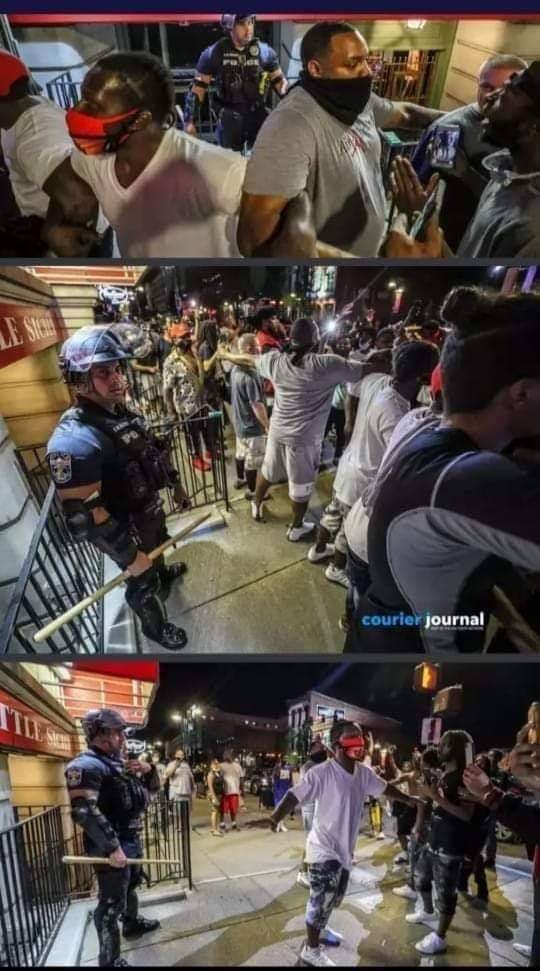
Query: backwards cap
[529,82]
[12,69]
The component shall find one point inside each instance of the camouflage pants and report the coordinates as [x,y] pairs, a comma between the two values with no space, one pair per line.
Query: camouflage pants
[327,885]
[117,898]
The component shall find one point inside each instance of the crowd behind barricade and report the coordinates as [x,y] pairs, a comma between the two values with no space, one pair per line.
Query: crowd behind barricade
[431,422]
[449,807]
[313,185]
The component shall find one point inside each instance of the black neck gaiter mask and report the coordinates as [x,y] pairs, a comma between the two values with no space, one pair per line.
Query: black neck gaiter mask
[344,98]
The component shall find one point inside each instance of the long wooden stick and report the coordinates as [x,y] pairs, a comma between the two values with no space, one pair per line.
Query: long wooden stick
[76,860]
[92,598]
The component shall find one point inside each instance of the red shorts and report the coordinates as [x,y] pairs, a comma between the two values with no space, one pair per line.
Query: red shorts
[230,804]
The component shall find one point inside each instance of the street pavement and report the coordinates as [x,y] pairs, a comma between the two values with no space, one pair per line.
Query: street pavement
[247,909]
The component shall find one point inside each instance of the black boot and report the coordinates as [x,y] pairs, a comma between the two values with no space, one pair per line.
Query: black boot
[251,479]
[155,625]
[240,474]
[139,926]
[167,576]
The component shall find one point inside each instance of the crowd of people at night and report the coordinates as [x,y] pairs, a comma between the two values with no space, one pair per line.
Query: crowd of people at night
[442,803]
[432,421]
[312,186]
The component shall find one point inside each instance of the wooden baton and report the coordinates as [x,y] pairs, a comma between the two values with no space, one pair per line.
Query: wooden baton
[92,598]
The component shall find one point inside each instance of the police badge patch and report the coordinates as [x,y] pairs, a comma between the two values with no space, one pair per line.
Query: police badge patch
[73,777]
[60,463]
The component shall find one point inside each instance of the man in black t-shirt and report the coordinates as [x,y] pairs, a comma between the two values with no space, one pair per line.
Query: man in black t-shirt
[447,843]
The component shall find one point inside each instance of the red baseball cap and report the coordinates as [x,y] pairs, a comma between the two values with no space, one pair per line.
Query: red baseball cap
[11,69]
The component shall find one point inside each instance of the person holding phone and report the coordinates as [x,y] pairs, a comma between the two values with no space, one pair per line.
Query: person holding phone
[454,147]
[444,852]
[519,813]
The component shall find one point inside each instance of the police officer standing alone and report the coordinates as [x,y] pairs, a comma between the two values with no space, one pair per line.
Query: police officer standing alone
[108,796]
[243,68]
[108,469]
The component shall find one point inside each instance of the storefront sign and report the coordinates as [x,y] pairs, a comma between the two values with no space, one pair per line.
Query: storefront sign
[26,329]
[22,728]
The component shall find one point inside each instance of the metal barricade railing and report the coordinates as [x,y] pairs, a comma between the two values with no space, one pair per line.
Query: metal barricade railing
[33,888]
[80,880]
[36,887]
[64,91]
[56,574]
[166,835]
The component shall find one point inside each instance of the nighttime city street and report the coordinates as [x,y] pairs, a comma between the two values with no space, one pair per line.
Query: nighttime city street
[246,905]
[266,572]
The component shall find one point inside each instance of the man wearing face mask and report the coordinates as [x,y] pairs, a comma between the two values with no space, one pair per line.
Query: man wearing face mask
[108,469]
[242,68]
[164,192]
[108,796]
[338,788]
[322,137]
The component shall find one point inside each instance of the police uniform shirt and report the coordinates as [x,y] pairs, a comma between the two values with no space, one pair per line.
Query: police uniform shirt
[79,454]
[100,773]
[447,520]
[223,59]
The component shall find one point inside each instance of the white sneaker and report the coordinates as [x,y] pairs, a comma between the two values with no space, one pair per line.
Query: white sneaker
[432,944]
[314,556]
[380,836]
[281,828]
[421,917]
[401,858]
[294,533]
[524,949]
[336,575]
[256,513]
[405,892]
[315,957]
[303,879]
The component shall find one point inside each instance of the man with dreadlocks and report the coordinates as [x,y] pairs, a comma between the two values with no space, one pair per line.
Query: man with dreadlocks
[108,469]
[108,795]
[304,383]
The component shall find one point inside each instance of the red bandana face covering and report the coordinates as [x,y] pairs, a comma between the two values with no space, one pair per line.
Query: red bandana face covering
[92,135]
[353,746]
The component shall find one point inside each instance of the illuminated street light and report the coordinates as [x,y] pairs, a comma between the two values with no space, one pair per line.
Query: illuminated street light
[391,284]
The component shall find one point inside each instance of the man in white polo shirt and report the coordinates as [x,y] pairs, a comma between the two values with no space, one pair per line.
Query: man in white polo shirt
[339,788]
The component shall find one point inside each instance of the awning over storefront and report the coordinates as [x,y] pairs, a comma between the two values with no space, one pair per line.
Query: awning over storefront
[127,686]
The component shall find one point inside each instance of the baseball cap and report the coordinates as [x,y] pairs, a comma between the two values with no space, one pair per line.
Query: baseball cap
[12,69]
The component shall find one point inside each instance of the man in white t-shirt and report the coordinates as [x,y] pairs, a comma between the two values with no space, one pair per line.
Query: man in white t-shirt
[304,383]
[339,788]
[382,401]
[180,776]
[166,193]
[36,147]
[233,780]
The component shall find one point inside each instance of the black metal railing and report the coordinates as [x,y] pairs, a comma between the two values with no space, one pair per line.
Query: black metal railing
[80,880]
[167,836]
[56,574]
[33,888]
[64,90]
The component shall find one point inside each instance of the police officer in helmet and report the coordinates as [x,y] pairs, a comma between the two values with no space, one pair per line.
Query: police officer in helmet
[108,469]
[108,796]
[243,68]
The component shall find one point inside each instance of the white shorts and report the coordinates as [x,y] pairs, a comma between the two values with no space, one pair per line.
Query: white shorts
[251,451]
[298,464]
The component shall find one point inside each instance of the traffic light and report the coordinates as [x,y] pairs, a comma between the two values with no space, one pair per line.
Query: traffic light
[426,677]
[449,701]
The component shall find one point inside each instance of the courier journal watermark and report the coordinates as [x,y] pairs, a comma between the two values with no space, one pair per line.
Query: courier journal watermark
[427,620]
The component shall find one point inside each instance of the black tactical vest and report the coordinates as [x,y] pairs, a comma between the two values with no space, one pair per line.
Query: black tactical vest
[141,464]
[239,82]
